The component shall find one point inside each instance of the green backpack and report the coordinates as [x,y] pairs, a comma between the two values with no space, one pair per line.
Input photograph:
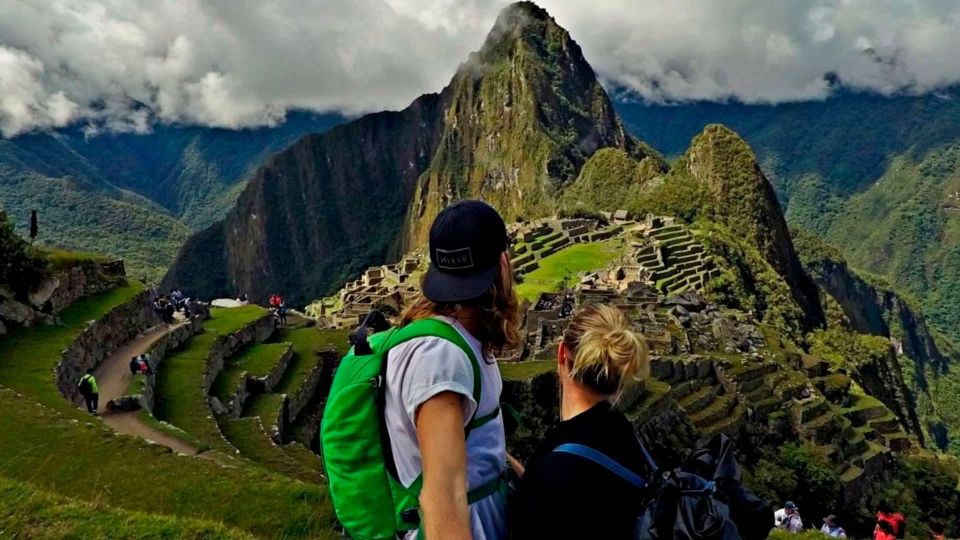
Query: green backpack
[370,502]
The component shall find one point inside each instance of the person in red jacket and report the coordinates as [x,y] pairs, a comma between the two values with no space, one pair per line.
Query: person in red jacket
[890,525]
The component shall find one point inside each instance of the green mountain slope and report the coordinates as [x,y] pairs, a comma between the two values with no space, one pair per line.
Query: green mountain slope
[135,196]
[515,126]
[906,227]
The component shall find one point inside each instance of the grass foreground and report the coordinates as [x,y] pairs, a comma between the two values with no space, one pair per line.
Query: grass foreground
[86,461]
[43,515]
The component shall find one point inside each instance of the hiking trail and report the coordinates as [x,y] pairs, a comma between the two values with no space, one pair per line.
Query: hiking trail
[113,377]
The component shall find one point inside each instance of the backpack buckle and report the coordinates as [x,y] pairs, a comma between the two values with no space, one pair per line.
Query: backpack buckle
[411,516]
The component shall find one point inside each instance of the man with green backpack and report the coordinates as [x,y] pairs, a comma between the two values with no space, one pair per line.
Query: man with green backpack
[412,434]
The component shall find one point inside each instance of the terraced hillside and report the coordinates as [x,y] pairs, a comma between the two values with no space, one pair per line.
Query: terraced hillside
[52,446]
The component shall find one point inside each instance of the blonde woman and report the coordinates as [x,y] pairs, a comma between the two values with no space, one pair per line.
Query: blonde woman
[432,384]
[569,492]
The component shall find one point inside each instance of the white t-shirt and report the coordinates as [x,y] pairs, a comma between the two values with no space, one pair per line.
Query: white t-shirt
[790,522]
[422,368]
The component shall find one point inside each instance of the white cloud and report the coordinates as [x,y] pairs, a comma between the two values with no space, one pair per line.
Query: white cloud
[120,65]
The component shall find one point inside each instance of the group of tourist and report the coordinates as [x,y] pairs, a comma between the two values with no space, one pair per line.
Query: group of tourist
[890,525]
[278,306]
[165,306]
[140,365]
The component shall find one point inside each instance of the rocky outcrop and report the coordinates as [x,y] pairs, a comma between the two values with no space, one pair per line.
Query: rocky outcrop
[55,293]
[514,126]
[100,338]
[84,279]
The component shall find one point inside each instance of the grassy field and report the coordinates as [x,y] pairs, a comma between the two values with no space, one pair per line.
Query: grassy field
[561,268]
[28,355]
[521,371]
[181,400]
[257,360]
[84,460]
[41,515]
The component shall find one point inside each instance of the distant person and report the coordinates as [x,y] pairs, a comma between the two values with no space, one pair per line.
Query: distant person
[788,518]
[168,311]
[832,528]
[143,362]
[890,524]
[176,296]
[134,365]
[158,307]
[937,531]
[242,298]
[599,355]
[275,301]
[282,312]
[90,391]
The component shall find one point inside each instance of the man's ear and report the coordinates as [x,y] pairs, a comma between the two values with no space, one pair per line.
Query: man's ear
[561,355]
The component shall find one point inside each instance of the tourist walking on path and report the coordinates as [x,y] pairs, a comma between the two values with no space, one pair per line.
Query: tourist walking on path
[832,528]
[430,381]
[598,356]
[90,391]
[788,518]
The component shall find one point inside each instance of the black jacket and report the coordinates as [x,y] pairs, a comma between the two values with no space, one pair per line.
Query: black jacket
[567,496]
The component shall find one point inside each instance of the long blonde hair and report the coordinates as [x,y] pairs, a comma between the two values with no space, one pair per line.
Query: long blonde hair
[606,352]
[496,313]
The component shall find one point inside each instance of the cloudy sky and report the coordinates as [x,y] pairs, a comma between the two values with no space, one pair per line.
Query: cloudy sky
[121,64]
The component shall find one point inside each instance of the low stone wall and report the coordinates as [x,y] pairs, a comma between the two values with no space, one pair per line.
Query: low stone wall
[100,338]
[251,386]
[303,411]
[297,401]
[226,346]
[57,292]
[85,279]
[170,341]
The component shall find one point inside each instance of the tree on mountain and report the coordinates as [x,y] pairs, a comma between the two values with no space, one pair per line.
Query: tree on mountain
[33,227]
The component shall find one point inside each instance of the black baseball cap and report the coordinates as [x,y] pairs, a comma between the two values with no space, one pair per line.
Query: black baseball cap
[466,242]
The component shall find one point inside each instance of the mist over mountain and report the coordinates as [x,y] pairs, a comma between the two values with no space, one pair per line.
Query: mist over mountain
[514,126]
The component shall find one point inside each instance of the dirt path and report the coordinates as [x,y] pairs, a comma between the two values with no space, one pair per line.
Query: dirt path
[113,377]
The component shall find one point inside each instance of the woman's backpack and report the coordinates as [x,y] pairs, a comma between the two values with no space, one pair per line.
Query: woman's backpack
[369,500]
[702,500]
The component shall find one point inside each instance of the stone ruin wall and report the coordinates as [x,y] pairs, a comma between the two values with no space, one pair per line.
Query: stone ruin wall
[169,342]
[315,385]
[250,386]
[58,292]
[100,338]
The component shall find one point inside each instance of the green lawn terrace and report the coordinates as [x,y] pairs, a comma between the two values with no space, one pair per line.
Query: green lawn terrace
[74,473]
[29,356]
[184,379]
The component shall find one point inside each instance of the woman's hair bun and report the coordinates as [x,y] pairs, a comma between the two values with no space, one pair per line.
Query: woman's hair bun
[607,353]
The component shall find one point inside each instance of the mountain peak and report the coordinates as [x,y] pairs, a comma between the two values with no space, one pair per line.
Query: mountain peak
[744,200]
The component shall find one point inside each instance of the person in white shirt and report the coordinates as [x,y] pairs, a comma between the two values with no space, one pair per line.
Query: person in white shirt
[429,398]
[788,518]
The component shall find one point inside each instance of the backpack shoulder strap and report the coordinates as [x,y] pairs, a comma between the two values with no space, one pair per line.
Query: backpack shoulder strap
[432,327]
[605,461]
